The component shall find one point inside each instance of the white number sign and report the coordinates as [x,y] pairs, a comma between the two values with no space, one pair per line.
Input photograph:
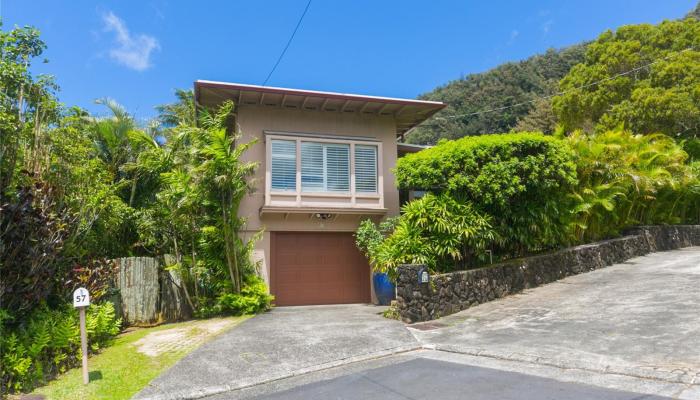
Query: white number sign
[424,277]
[81,298]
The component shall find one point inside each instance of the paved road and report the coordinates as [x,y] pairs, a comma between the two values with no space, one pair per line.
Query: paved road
[423,378]
[629,331]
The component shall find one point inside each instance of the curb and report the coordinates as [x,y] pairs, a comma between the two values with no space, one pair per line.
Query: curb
[215,390]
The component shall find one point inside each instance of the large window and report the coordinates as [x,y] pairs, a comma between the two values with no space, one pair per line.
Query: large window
[323,166]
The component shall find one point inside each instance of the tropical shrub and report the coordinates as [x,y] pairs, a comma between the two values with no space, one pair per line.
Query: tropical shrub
[627,179]
[98,276]
[253,299]
[369,235]
[48,342]
[31,239]
[435,230]
[519,181]
[195,216]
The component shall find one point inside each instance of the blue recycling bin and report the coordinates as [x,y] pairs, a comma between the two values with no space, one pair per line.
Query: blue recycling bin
[383,288]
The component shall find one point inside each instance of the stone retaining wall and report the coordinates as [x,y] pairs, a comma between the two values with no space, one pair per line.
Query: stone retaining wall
[452,292]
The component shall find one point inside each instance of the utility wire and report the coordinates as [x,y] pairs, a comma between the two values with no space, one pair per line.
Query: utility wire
[559,93]
[288,43]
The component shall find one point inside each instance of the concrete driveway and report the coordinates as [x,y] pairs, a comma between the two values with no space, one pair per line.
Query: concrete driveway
[640,318]
[285,342]
[629,331]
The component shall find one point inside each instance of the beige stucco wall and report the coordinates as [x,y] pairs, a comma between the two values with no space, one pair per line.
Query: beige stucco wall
[254,120]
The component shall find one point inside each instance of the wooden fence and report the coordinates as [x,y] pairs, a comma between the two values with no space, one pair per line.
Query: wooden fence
[148,294]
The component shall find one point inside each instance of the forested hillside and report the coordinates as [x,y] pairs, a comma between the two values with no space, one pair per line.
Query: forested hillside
[522,84]
[506,85]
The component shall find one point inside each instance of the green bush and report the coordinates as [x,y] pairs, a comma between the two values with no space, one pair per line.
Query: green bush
[438,231]
[253,299]
[48,342]
[369,236]
[520,181]
[627,179]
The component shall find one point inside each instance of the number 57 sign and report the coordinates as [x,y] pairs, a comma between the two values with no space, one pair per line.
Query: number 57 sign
[81,299]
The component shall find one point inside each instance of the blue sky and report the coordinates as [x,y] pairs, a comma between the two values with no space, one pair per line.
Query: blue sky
[138,52]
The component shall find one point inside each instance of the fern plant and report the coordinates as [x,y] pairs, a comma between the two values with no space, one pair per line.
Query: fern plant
[49,342]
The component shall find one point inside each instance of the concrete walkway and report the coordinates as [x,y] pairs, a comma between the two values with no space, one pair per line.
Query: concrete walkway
[285,342]
[631,330]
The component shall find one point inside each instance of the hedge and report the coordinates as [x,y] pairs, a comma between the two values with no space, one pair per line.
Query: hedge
[521,180]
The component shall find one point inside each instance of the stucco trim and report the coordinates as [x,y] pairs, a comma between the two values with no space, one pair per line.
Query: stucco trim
[322,136]
[322,210]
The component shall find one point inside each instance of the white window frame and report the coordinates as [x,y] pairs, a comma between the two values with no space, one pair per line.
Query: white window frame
[353,196]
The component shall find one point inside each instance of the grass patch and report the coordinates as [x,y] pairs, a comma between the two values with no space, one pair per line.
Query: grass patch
[120,370]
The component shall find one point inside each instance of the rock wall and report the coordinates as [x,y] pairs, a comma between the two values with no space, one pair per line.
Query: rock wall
[453,292]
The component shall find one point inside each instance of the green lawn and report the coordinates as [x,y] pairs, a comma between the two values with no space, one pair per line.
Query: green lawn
[134,359]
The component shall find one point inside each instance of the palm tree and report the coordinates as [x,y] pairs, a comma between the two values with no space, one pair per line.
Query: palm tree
[181,113]
[627,179]
[120,143]
[227,179]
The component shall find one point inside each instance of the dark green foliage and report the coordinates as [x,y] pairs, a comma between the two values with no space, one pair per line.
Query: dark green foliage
[253,299]
[77,189]
[520,181]
[196,212]
[31,239]
[436,230]
[505,85]
[627,179]
[368,235]
[528,193]
[48,342]
[692,147]
[540,119]
[647,79]
[180,113]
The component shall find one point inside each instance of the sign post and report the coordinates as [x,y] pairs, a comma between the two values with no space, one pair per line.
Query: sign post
[81,300]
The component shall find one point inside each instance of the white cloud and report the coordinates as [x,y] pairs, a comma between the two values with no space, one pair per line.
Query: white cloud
[131,50]
[547,26]
[513,35]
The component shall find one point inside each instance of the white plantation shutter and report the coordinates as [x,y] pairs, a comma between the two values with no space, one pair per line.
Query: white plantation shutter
[325,167]
[284,165]
[365,169]
[312,167]
[337,167]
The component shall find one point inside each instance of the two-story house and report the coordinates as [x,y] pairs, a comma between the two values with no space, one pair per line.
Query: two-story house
[326,163]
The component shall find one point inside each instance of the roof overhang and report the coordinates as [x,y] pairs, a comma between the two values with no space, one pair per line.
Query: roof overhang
[406,112]
[406,148]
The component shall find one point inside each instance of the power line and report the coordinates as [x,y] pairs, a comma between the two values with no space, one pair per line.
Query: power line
[559,93]
[288,43]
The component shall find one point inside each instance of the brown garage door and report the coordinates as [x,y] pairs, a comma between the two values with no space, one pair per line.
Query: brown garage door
[317,268]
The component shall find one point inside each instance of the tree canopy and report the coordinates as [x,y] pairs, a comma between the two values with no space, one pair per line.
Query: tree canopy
[644,77]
